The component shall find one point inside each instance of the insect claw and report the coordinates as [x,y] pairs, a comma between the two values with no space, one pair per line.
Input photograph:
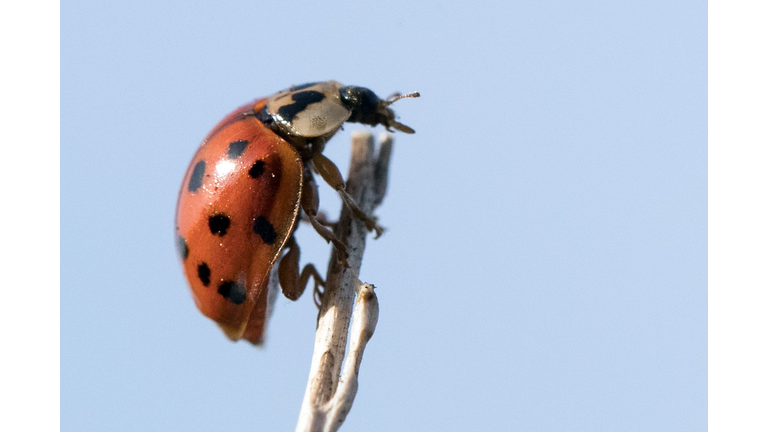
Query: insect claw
[317,295]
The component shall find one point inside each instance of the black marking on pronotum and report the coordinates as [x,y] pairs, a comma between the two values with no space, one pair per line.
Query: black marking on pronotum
[232,291]
[265,117]
[204,273]
[301,100]
[218,224]
[236,148]
[181,243]
[257,169]
[196,179]
[264,229]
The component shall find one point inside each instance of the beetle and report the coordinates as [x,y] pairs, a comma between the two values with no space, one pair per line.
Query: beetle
[246,187]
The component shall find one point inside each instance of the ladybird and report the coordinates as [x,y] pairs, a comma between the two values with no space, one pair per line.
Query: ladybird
[249,183]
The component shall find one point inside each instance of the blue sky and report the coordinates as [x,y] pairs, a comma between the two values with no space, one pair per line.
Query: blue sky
[545,264]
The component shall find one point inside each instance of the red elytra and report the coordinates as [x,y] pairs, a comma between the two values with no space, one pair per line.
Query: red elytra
[242,193]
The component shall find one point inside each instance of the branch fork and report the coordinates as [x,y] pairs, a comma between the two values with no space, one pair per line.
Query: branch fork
[331,389]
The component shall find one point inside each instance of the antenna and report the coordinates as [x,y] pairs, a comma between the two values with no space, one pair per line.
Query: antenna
[396,97]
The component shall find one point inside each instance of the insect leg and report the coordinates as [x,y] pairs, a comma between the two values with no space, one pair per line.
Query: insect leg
[292,283]
[310,203]
[330,173]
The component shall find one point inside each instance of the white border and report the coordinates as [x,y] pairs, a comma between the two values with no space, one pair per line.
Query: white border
[29,127]
[738,197]
[738,216]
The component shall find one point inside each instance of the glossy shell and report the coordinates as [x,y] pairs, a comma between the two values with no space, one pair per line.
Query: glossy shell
[237,206]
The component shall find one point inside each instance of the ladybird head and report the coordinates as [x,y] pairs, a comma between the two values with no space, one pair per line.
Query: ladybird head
[367,108]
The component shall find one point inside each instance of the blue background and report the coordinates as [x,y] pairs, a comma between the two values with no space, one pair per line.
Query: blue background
[545,262]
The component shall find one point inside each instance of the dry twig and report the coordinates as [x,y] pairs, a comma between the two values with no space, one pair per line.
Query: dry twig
[331,390]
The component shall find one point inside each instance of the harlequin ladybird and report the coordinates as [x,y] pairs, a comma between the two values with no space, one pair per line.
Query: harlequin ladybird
[245,188]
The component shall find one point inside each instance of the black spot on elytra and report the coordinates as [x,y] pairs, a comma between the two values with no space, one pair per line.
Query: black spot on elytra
[204,273]
[196,180]
[181,243]
[232,291]
[264,229]
[218,224]
[257,169]
[236,148]
[301,100]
